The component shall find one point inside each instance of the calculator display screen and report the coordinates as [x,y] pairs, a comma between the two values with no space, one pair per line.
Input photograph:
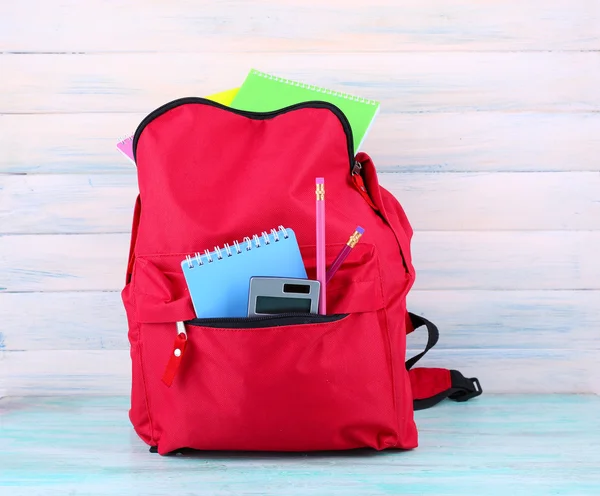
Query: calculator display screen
[274,305]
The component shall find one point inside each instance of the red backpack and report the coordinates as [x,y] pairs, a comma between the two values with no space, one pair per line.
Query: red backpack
[208,175]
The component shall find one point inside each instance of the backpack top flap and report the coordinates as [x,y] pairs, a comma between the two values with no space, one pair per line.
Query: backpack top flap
[209,174]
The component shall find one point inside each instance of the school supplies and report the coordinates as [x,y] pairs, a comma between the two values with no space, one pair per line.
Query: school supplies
[262,92]
[320,211]
[125,145]
[219,280]
[339,260]
[279,295]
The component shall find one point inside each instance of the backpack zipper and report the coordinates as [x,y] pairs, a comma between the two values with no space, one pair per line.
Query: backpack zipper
[359,184]
[176,355]
[355,166]
[252,115]
[181,339]
[276,320]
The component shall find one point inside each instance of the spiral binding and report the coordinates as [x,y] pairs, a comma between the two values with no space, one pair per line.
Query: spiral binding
[311,87]
[247,244]
[124,139]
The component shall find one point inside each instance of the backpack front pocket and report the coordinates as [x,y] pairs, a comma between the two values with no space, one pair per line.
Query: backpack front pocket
[282,382]
[310,386]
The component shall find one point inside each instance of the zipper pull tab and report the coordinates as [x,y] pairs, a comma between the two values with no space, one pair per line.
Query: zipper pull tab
[357,168]
[176,355]
[359,184]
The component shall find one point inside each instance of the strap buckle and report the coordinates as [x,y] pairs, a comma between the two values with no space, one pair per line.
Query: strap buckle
[463,388]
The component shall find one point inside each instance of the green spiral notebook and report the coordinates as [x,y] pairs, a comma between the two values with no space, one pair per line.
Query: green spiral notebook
[264,92]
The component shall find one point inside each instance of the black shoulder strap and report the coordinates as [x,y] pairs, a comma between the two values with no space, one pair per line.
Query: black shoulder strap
[432,385]
[433,335]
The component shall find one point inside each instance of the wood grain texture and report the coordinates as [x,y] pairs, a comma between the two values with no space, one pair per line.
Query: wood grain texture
[404,82]
[485,141]
[65,143]
[505,260]
[490,111]
[107,372]
[509,319]
[80,203]
[310,25]
[406,142]
[68,204]
[93,320]
[64,372]
[500,320]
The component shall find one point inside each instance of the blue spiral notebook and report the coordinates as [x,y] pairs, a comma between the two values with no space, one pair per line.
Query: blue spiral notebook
[219,280]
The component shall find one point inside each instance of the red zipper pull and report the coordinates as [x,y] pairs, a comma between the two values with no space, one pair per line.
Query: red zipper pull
[359,184]
[176,355]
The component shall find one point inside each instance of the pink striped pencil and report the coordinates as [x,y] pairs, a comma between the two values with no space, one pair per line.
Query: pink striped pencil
[321,269]
[344,253]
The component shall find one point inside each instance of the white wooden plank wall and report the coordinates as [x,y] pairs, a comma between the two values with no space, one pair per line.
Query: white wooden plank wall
[489,135]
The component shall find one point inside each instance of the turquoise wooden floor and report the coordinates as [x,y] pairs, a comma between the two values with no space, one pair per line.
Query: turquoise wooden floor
[495,445]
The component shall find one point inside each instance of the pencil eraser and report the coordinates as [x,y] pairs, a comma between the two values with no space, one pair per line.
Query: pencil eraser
[360,230]
[320,180]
